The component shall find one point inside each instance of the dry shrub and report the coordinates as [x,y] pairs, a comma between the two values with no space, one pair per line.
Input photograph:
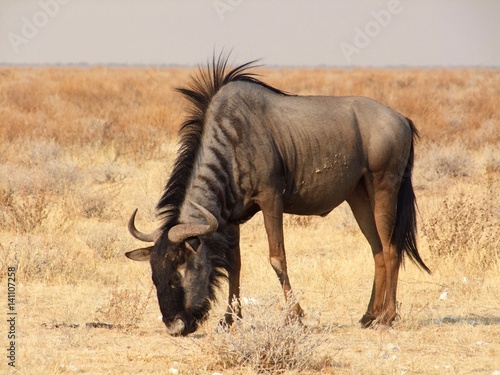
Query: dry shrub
[449,165]
[92,205]
[24,95]
[490,159]
[41,260]
[267,340]
[125,309]
[463,226]
[103,240]
[22,213]
[452,160]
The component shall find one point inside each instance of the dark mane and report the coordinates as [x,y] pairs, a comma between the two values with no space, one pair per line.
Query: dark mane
[199,92]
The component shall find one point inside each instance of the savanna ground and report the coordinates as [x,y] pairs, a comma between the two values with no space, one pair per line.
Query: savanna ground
[81,148]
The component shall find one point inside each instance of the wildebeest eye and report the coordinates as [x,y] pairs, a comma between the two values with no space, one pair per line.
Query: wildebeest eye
[175,280]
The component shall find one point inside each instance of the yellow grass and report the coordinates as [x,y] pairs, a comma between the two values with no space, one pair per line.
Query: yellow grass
[81,148]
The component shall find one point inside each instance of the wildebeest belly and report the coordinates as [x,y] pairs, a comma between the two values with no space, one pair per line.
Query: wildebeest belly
[318,190]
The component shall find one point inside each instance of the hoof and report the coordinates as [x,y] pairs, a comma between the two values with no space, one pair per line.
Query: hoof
[295,316]
[222,327]
[226,323]
[294,311]
[367,321]
[293,319]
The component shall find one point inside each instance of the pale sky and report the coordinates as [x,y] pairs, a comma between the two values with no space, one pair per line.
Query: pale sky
[352,33]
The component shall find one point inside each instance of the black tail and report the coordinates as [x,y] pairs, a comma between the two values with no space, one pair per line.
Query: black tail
[405,230]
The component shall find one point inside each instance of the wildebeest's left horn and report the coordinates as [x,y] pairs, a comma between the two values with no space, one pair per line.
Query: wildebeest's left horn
[183,231]
[146,237]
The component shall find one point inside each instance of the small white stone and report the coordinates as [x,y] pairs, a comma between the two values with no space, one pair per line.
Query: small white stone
[173,371]
[443,295]
[249,301]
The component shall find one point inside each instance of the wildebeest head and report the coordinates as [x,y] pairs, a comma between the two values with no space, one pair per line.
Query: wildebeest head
[182,271]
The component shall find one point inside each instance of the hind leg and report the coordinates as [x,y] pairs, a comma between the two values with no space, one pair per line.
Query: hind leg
[385,202]
[363,213]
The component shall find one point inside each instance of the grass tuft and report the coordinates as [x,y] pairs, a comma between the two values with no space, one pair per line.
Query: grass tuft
[125,309]
[268,340]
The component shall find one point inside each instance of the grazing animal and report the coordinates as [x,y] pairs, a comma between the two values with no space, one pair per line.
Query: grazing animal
[248,147]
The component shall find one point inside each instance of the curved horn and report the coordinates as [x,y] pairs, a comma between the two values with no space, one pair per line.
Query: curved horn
[146,237]
[182,231]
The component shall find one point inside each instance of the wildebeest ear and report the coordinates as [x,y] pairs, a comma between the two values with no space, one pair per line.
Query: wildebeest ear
[141,254]
[193,244]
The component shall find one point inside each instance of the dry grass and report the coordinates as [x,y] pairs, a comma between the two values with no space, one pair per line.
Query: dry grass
[81,148]
[270,342]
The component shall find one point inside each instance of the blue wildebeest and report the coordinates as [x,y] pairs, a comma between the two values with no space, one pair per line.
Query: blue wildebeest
[248,147]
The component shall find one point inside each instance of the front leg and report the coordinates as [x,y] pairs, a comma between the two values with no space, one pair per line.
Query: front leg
[233,302]
[272,209]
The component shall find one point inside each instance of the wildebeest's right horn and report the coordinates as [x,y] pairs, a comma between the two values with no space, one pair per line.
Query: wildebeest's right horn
[146,237]
[183,231]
